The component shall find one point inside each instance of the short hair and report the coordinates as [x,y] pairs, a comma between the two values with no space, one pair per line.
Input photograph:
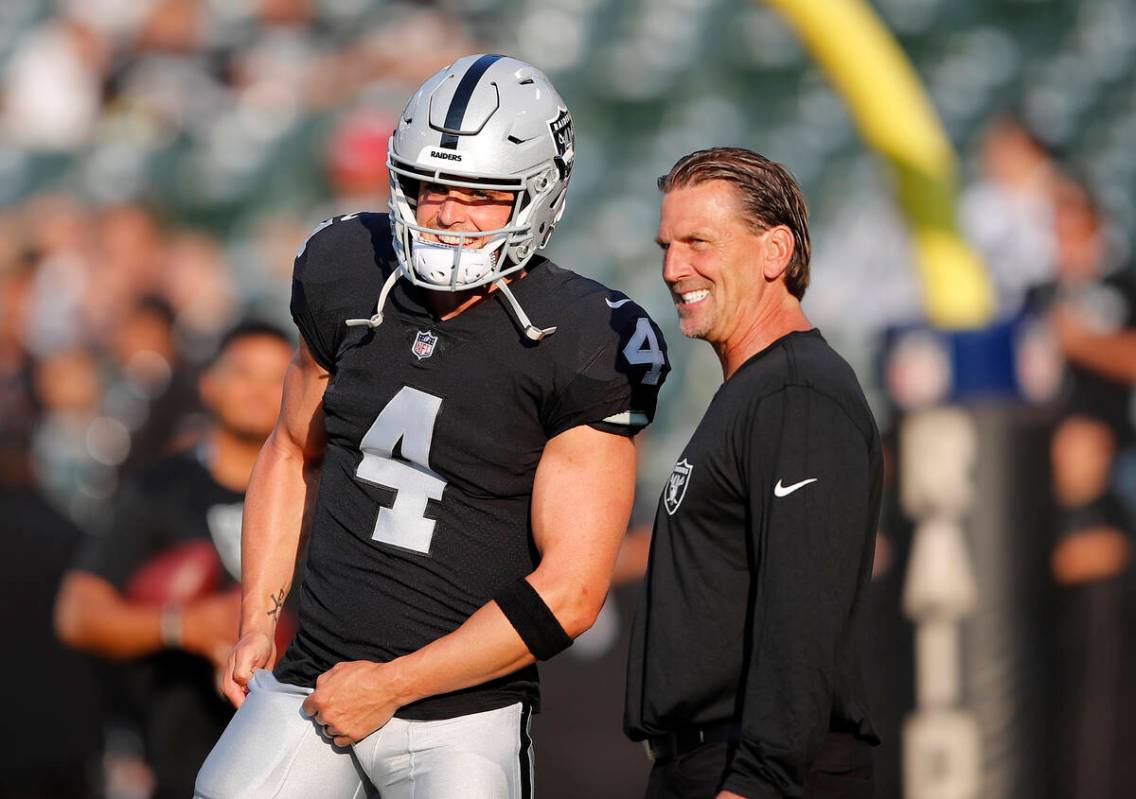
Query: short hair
[249,328]
[769,196]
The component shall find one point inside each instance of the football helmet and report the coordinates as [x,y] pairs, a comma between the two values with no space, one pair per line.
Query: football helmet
[484,122]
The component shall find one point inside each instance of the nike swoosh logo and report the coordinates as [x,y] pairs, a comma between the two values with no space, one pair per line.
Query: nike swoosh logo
[784,491]
[613,305]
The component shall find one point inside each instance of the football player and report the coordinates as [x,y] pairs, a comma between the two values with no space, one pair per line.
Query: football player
[459,413]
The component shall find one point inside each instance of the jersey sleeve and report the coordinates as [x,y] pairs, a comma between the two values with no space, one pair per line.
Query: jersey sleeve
[314,305]
[133,537]
[813,479]
[616,387]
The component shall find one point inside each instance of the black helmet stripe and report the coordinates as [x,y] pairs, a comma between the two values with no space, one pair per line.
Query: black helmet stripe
[456,112]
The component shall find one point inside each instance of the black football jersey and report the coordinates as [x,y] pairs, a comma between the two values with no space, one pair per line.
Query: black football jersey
[434,432]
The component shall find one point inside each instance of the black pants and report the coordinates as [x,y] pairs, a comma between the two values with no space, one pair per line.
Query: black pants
[1093,668]
[842,770]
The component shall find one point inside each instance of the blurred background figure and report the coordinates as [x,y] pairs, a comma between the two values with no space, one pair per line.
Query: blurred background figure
[1091,305]
[177,635]
[1008,211]
[40,679]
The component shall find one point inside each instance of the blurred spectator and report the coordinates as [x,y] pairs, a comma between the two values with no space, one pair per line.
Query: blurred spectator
[357,162]
[61,234]
[199,285]
[196,494]
[1092,552]
[53,85]
[75,448]
[40,682]
[1008,213]
[17,404]
[150,390]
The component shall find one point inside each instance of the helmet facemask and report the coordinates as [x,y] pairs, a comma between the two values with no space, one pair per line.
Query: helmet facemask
[443,266]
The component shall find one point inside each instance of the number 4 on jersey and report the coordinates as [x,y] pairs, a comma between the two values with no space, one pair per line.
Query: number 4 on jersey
[644,348]
[409,417]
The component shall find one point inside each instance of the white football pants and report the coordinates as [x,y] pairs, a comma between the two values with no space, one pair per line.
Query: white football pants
[271,750]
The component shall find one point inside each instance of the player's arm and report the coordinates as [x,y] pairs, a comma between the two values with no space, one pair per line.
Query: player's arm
[581,504]
[281,488]
[92,613]
[1112,355]
[813,553]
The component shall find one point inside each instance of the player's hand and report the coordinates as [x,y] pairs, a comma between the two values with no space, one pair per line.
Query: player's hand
[255,650]
[729,795]
[1070,332]
[209,625]
[352,700]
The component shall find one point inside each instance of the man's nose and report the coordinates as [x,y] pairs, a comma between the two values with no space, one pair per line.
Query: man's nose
[452,211]
[675,266]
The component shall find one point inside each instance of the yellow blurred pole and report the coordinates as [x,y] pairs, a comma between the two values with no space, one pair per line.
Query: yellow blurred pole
[866,65]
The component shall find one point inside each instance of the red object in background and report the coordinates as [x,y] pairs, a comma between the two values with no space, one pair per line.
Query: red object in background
[186,572]
[357,153]
[285,630]
[180,574]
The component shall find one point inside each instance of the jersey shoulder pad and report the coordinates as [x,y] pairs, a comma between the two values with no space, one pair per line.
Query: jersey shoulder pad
[338,273]
[609,318]
[345,248]
[619,352]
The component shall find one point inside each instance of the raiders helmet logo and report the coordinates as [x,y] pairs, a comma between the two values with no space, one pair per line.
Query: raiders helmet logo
[564,136]
[676,486]
[424,344]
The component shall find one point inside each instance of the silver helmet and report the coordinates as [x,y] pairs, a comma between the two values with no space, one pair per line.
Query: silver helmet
[484,122]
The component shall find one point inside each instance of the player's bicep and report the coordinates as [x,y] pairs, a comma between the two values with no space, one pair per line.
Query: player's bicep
[300,426]
[582,497]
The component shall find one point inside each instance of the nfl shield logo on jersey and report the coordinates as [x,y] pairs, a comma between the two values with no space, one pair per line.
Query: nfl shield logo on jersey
[676,486]
[424,344]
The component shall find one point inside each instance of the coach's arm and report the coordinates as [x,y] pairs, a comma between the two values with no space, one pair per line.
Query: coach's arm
[581,504]
[284,479]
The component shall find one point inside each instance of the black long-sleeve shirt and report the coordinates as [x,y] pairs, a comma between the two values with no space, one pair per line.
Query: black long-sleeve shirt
[753,608]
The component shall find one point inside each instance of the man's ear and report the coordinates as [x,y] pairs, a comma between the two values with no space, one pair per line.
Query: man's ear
[777,252]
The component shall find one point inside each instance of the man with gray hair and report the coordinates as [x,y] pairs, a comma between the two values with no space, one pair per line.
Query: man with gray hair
[744,672]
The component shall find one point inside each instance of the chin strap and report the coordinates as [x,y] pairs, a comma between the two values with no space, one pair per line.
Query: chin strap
[532,331]
[377,318]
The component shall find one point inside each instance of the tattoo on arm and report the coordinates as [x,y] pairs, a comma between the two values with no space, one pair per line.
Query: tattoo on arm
[277,605]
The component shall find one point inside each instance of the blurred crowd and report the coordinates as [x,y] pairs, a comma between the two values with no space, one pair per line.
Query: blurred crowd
[118,278]
[161,162]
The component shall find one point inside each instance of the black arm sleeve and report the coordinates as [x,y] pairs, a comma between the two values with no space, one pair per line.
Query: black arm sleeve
[811,548]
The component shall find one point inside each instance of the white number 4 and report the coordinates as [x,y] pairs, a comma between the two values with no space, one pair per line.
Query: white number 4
[408,418]
[644,348]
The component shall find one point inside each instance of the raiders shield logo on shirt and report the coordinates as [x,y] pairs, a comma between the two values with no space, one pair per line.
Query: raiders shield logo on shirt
[676,485]
[424,344]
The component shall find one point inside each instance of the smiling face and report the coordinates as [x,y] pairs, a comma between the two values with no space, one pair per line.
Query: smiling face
[462,211]
[714,262]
